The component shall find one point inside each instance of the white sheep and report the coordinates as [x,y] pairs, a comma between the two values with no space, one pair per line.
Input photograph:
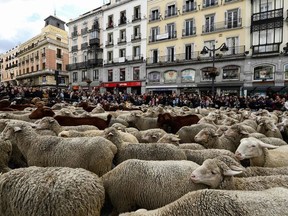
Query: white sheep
[92,153]
[51,191]
[148,184]
[225,203]
[259,155]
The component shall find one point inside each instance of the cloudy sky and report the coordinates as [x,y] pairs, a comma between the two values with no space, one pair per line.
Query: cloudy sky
[23,19]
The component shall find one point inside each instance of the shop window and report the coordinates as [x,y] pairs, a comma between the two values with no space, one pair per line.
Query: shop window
[263,72]
[231,72]
[136,73]
[188,75]
[96,75]
[170,76]
[75,79]
[122,74]
[154,77]
[110,75]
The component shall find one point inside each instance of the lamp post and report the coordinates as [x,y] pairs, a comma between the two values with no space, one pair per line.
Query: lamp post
[213,71]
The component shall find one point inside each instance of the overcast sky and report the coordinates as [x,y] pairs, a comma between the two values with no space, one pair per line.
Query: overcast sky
[23,19]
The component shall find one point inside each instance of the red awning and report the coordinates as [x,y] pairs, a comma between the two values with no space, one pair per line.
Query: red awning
[121,84]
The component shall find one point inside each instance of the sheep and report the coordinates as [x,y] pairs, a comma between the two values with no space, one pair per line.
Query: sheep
[162,182]
[50,123]
[141,122]
[23,117]
[209,139]
[253,170]
[191,146]
[199,156]
[51,191]
[149,136]
[5,154]
[92,153]
[169,138]
[119,126]
[225,203]
[259,155]
[217,175]
[269,128]
[187,133]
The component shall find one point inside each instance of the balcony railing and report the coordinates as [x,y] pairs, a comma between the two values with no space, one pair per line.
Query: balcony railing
[84,31]
[171,12]
[236,51]
[122,40]
[74,48]
[189,7]
[109,43]
[219,26]
[208,3]
[125,60]
[136,17]
[228,1]
[161,37]
[189,32]
[94,41]
[271,14]
[84,46]
[266,48]
[154,17]
[136,37]
[110,25]
[122,21]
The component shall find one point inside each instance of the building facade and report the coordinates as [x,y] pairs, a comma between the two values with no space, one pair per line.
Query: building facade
[9,66]
[42,55]
[179,30]
[124,48]
[85,50]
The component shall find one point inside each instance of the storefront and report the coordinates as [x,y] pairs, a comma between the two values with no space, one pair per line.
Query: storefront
[123,87]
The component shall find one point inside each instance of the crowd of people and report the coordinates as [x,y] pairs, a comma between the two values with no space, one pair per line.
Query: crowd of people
[19,93]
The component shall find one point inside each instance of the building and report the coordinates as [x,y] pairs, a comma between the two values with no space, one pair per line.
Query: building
[9,66]
[124,51]
[42,55]
[85,50]
[179,30]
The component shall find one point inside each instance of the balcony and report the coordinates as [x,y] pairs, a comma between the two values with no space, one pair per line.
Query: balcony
[161,37]
[189,32]
[110,25]
[109,43]
[84,31]
[37,57]
[135,38]
[233,52]
[207,4]
[94,63]
[136,18]
[122,21]
[189,7]
[74,48]
[122,41]
[95,27]
[230,1]
[74,34]
[71,67]
[171,12]
[84,46]
[94,42]
[154,17]
[262,17]
[266,49]
[125,60]
[221,26]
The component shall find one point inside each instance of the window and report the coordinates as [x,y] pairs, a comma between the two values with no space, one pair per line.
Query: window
[155,14]
[59,53]
[189,28]
[189,51]
[110,75]
[74,78]
[171,10]
[154,33]
[84,75]
[231,72]
[137,32]
[110,56]
[137,13]
[232,44]
[209,23]
[155,56]
[32,68]
[264,72]
[122,35]
[110,21]
[189,5]
[61,80]
[154,77]
[209,44]
[37,67]
[188,75]
[231,18]
[170,54]
[59,66]
[286,71]
[96,75]
[110,38]
[266,40]
[170,76]
[171,30]
[122,74]
[136,52]
[206,73]
[136,73]
[122,17]
[74,59]
[43,66]
[122,53]
[209,3]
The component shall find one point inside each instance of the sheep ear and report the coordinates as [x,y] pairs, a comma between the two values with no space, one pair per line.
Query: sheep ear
[237,168]
[175,139]
[266,145]
[52,120]
[16,129]
[231,172]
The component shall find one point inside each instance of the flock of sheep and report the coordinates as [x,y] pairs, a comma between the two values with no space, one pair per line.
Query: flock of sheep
[232,162]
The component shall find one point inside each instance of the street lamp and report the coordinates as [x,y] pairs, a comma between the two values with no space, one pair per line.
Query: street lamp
[213,72]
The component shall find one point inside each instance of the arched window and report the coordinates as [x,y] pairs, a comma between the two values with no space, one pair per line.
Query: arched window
[264,72]
[208,72]
[231,72]
[170,76]
[188,75]
[154,77]
[286,71]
